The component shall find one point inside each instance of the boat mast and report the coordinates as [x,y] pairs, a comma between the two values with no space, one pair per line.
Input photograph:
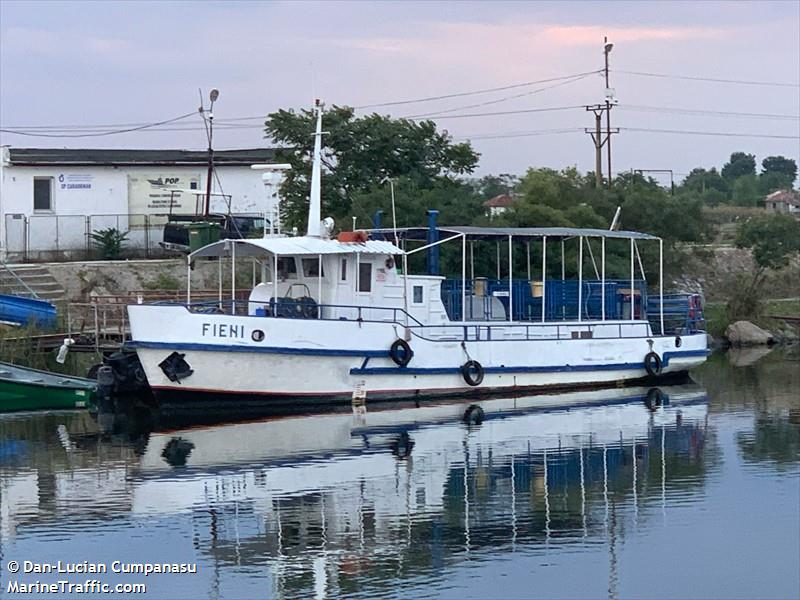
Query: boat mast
[314,207]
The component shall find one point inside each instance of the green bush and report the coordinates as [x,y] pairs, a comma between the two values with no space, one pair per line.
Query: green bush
[109,242]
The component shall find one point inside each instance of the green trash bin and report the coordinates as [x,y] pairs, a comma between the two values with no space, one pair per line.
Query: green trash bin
[202,233]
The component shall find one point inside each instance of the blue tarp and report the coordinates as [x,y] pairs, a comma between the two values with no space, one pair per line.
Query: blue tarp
[24,311]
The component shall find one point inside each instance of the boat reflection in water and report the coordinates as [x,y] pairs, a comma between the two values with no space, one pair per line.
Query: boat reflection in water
[335,502]
[344,503]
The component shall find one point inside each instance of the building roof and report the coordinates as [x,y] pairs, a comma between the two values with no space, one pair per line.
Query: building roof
[129,157]
[295,246]
[503,233]
[787,196]
[501,201]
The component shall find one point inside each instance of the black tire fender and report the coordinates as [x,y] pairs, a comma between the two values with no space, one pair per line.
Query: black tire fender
[654,398]
[472,372]
[473,415]
[401,353]
[652,364]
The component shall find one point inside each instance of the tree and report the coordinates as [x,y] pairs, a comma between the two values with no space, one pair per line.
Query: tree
[491,186]
[772,239]
[746,191]
[777,172]
[739,165]
[357,153]
[710,185]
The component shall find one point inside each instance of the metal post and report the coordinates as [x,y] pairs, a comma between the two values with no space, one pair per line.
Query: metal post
[472,260]
[233,277]
[528,252]
[463,278]
[219,280]
[319,286]
[661,282]
[603,278]
[274,280]
[498,261]
[544,273]
[510,282]
[633,300]
[188,280]
[580,278]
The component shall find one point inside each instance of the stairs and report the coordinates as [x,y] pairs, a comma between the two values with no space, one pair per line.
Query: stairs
[30,281]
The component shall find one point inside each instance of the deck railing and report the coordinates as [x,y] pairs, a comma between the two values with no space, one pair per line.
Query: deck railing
[490,300]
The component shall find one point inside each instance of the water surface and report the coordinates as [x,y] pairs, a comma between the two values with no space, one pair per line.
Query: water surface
[590,495]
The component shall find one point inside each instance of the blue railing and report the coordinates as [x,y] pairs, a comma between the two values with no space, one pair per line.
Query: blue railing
[683,313]
[488,300]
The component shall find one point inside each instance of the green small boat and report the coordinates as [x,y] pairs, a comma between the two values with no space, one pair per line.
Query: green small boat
[29,389]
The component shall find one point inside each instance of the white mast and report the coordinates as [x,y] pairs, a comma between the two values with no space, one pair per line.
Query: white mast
[314,207]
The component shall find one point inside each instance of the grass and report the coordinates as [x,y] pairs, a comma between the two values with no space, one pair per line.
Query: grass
[717,317]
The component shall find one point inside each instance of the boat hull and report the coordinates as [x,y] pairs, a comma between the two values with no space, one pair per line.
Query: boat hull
[294,363]
[17,396]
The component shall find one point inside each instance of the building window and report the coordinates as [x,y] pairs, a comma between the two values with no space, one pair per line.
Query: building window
[417,296]
[365,277]
[311,267]
[42,193]
[344,269]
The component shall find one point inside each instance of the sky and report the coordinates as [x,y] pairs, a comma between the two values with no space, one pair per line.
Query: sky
[116,63]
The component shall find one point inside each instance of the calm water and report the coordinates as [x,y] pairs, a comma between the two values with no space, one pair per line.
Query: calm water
[592,495]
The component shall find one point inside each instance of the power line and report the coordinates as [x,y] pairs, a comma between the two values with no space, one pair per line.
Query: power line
[712,133]
[474,92]
[99,134]
[693,111]
[709,79]
[507,112]
[512,134]
[499,100]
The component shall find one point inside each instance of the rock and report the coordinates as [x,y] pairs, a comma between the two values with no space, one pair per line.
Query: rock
[745,357]
[744,333]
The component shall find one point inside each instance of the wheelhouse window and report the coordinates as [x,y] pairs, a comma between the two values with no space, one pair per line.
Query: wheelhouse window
[418,295]
[311,267]
[344,269]
[365,277]
[287,269]
[43,193]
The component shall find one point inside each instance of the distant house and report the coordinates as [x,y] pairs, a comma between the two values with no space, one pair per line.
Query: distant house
[498,205]
[783,201]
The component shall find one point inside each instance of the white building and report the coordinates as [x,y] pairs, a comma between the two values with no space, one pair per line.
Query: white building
[51,199]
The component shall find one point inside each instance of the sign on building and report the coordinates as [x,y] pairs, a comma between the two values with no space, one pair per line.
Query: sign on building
[161,193]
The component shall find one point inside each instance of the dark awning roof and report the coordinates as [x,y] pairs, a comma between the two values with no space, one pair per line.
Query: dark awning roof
[501,233]
[127,157]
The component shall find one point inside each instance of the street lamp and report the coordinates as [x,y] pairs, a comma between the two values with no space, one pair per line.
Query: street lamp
[213,98]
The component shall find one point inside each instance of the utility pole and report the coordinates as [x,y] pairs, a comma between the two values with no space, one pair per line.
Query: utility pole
[600,138]
[609,94]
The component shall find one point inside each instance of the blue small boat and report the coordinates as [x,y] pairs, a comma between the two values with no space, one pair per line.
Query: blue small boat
[24,311]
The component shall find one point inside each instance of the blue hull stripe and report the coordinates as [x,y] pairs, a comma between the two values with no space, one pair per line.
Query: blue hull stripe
[400,370]
[258,349]
[523,369]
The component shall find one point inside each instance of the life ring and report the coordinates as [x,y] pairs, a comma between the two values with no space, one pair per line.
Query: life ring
[654,398]
[473,415]
[400,352]
[472,372]
[652,364]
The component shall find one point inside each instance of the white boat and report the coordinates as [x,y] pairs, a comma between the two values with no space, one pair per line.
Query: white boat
[332,319]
